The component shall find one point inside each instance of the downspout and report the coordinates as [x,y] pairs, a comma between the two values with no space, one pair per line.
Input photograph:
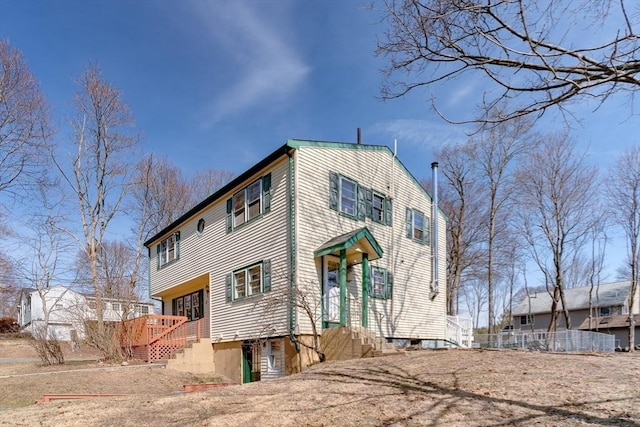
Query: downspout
[292,252]
[434,238]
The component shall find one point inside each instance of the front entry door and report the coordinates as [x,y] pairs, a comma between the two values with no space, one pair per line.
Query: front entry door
[331,289]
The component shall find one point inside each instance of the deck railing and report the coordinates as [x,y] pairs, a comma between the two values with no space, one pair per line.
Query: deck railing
[155,337]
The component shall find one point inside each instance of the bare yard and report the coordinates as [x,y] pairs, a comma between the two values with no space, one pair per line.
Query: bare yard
[455,387]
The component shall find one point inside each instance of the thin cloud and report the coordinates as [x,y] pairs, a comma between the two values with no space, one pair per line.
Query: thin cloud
[267,69]
[421,134]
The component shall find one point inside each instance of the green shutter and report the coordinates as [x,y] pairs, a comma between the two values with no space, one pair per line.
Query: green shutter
[361,197]
[174,309]
[389,293]
[388,211]
[158,256]
[409,223]
[266,275]
[229,216]
[227,286]
[177,237]
[266,192]
[370,281]
[368,196]
[334,190]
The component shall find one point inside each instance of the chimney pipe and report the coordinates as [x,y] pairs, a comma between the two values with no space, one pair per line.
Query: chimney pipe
[434,231]
[358,136]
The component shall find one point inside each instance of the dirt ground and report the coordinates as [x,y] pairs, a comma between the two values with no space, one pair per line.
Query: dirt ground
[454,387]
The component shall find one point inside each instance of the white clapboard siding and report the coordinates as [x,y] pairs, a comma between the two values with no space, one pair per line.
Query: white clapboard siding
[411,313]
[218,253]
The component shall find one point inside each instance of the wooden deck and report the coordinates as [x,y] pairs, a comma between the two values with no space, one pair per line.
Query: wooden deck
[156,337]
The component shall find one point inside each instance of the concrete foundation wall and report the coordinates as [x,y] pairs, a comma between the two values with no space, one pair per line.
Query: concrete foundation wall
[227,358]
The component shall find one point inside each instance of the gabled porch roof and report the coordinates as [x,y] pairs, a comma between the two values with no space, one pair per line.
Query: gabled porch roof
[355,242]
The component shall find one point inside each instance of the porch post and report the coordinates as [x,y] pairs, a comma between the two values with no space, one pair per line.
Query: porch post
[365,290]
[343,287]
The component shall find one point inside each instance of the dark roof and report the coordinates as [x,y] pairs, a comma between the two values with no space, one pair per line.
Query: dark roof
[610,322]
[279,152]
[603,295]
[285,149]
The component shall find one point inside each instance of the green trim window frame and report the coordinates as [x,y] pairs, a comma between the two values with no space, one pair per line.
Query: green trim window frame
[248,281]
[380,283]
[358,202]
[190,305]
[168,250]
[527,319]
[249,203]
[418,227]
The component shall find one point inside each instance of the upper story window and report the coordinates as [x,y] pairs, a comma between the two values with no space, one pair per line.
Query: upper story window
[169,249]
[249,203]
[249,281]
[527,320]
[348,194]
[418,227]
[354,200]
[604,311]
[381,283]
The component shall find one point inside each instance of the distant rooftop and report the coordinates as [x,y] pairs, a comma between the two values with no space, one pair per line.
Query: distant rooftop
[603,295]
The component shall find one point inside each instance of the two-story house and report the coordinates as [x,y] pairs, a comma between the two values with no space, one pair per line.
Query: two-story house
[317,236]
[603,308]
[64,312]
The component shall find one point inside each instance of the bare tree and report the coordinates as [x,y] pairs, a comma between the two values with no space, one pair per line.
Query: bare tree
[496,152]
[204,183]
[44,266]
[461,200]
[160,195]
[624,201]
[100,170]
[526,50]
[558,209]
[24,122]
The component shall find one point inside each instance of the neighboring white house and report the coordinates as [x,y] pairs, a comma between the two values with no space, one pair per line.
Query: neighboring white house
[68,310]
[345,225]
[602,308]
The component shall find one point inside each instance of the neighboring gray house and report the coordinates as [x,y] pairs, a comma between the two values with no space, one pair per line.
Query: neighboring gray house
[346,225]
[68,310]
[589,309]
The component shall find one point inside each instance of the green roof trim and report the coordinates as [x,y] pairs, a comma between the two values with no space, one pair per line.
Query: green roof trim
[347,240]
[298,143]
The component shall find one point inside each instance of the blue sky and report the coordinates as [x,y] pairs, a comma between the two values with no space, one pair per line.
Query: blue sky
[223,83]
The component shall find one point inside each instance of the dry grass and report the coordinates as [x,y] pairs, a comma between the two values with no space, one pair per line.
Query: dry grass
[460,388]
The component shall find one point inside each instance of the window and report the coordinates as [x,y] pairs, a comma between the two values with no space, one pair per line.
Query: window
[378,208]
[348,194]
[142,309]
[200,227]
[169,249]
[249,281]
[527,320]
[357,201]
[58,306]
[604,311]
[274,357]
[418,228]
[380,283]
[249,203]
[115,306]
[190,306]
